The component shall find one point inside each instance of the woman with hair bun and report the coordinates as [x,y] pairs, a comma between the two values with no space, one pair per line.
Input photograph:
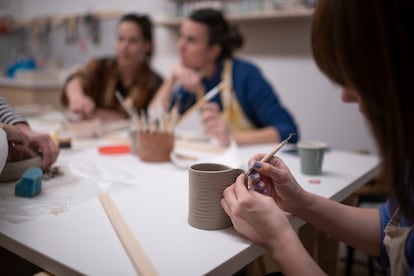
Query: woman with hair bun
[248,109]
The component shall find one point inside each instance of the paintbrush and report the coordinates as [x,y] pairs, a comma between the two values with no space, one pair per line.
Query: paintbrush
[131,113]
[208,96]
[267,157]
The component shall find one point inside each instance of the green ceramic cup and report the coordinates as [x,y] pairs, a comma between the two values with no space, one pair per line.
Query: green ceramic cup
[311,156]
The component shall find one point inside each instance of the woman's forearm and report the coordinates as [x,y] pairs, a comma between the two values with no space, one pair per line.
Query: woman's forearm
[291,257]
[163,95]
[73,88]
[358,227]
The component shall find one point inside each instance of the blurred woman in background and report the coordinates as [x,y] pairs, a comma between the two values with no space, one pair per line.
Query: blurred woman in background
[247,109]
[91,90]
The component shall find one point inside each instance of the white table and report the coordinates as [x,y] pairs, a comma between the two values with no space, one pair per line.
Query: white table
[82,240]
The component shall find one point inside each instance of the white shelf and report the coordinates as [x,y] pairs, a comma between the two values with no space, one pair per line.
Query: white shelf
[250,17]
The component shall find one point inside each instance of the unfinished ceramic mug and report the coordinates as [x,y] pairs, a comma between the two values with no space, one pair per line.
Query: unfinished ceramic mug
[207,182]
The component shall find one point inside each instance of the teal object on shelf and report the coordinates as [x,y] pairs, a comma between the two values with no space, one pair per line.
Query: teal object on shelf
[22,64]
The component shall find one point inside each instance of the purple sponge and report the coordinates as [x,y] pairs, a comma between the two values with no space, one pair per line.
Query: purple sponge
[30,184]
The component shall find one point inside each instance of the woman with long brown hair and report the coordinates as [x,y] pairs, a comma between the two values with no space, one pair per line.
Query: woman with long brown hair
[92,88]
[365,46]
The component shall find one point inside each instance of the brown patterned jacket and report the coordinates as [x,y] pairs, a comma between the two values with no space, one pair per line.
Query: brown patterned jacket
[100,79]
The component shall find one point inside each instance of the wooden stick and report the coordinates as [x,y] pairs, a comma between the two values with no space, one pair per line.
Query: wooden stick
[135,252]
[174,117]
[208,96]
[130,111]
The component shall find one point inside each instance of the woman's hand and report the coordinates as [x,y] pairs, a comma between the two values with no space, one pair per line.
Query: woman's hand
[79,103]
[82,105]
[188,78]
[275,179]
[33,144]
[215,124]
[18,144]
[256,216]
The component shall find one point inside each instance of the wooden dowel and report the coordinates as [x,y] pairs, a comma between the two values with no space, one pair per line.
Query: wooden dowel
[135,252]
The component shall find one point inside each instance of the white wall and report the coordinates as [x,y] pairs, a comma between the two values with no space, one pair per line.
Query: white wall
[35,8]
[9,7]
[280,47]
[11,44]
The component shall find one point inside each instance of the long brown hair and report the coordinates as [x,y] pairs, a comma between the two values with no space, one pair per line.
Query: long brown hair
[144,23]
[368,45]
[147,82]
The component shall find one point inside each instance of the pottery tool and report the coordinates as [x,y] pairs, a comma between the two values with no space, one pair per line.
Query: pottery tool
[173,117]
[135,252]
[267,157]
[208,96]
[131,113]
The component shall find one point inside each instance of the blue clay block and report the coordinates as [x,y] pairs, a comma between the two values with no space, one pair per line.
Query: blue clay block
[30,184]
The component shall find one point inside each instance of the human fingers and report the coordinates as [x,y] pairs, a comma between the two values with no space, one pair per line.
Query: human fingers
[187,77]
[88,107]
[253,215]
[233,203]
[75,104]
[44,145]
[82,105]
[255,164]
[286,191]
[210,107]
[15,134]
[256,157]
[226,201]
[219,130]
[210,112]
[229,198]
[259,183]
[19,152]
[215,124]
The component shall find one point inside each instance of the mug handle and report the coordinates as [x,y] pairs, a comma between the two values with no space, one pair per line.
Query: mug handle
[236,173]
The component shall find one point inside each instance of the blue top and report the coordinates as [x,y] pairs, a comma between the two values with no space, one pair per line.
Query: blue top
[386,212]
[256,97]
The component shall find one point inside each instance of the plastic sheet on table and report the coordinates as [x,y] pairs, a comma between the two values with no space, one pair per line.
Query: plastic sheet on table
[81,182]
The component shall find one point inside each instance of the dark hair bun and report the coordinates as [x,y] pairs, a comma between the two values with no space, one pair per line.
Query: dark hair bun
[235,38]
[220,32]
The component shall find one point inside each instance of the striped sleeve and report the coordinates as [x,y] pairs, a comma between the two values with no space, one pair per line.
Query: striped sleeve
[8,115]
